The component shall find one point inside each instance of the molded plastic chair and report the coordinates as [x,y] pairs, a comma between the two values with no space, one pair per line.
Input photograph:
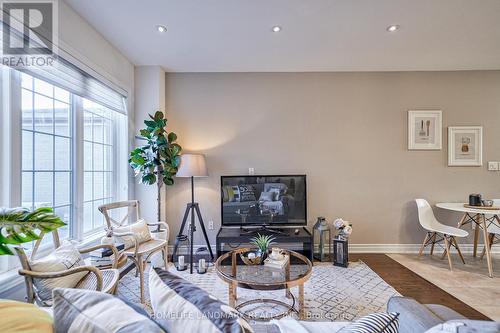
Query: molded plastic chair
[438,232]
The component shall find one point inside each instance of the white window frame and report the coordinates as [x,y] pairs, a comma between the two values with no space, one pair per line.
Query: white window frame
[11,172]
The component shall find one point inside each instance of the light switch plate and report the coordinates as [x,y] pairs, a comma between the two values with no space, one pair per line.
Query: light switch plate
[251,171]
[493,166]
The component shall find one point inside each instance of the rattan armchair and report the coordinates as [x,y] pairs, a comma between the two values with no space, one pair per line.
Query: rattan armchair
[140,253]
[96,279]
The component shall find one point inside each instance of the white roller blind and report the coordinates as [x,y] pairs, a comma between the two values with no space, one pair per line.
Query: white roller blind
[66,74]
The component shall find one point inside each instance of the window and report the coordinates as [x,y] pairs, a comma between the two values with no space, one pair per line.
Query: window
[70,152]
[73,173]
[47,139]
[98,155]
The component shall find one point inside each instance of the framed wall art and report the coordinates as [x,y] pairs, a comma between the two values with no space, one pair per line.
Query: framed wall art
[465,146]
[425,130]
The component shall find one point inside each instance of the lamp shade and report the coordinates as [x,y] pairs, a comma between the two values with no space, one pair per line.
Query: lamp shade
[192,165]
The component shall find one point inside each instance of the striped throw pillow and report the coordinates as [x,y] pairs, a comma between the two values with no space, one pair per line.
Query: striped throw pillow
[185,307]
[78,310]
[374,323]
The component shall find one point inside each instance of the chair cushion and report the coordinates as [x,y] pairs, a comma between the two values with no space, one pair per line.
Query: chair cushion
[63,258]
[140,229]
[24,317]
[77,310]
[187,308]
[147,247]
[374,323]
[109,279]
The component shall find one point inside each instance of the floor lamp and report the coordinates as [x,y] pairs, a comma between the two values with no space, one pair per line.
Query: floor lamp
[192,165]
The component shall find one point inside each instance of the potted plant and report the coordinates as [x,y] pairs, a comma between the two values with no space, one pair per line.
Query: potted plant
[263,242]
[156,162]
[19,225]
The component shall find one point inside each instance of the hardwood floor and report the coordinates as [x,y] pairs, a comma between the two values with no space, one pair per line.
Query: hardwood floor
[412,285]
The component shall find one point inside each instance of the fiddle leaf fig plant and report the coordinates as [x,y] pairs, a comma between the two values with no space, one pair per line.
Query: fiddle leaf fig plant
[19,225]
[157,161]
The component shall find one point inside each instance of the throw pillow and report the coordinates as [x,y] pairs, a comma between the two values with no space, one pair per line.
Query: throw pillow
[247,193]
[267,196]
[24,317]
[140,229]
[188,308]
[374,323]
[276,193]
[63,258]
[78,310]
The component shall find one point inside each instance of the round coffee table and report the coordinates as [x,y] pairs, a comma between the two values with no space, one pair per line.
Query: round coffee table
[261,277]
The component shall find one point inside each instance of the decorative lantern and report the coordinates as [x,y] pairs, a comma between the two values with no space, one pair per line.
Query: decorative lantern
[340,252]
[322,236]
[183,251]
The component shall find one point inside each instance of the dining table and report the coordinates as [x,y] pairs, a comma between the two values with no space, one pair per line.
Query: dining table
[482,218]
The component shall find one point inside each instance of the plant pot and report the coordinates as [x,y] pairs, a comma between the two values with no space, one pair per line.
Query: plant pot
[160,235]
[263,255]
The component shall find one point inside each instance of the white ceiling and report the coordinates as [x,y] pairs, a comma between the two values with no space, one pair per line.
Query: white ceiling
[317,35]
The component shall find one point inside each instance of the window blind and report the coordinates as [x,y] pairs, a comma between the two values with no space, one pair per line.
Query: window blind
[66,72]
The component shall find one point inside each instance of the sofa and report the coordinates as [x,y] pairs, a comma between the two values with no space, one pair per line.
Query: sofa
[413,318]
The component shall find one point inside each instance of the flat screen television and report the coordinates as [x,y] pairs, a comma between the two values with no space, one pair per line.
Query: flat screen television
[278,200]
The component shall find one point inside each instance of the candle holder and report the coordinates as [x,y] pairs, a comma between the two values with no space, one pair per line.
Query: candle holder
[181,268]
[200,271]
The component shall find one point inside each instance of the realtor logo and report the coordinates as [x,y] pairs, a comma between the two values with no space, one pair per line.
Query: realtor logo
[29,32]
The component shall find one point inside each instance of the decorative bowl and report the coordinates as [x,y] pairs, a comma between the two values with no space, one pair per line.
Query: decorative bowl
[251,261]
[487,203]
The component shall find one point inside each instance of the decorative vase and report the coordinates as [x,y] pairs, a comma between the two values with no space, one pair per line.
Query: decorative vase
[107,240]
[263,255]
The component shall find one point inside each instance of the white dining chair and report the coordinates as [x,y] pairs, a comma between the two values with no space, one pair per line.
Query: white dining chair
[493,228]
[438,232]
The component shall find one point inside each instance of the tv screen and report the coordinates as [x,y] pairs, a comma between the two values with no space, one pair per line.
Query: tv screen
[263,200]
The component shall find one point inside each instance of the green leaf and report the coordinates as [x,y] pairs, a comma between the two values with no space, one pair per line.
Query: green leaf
[172,137]
[168,180]
[148,179]
[18,225]
[158,115]
[150,124]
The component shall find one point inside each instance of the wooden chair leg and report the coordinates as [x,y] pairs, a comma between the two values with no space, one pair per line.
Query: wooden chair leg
[165,256]
[447,245]
[458,249]
[140,267]
[433,243]
[492,238]
[423,244]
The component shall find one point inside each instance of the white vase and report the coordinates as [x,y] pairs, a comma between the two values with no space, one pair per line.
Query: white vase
[107,240]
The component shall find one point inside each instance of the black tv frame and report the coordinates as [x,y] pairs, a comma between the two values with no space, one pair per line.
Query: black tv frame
[264,224]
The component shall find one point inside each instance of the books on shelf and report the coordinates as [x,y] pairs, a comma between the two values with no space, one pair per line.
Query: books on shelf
[277,264]
[105,252]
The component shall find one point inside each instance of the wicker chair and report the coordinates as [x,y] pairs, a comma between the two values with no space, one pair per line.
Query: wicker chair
[140,253]
[96,279]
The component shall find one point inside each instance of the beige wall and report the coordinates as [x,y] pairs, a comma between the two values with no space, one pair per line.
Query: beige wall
[346,131]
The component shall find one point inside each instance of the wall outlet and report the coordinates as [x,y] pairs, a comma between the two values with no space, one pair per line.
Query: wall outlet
[210,225]
[493,166]
[251,171]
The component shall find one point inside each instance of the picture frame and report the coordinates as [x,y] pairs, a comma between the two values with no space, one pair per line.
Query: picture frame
[425,130]
[465,146]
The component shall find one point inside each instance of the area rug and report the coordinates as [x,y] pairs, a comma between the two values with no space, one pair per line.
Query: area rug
[331,294]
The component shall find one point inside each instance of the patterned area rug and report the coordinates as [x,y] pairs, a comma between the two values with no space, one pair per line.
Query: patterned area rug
[331,294]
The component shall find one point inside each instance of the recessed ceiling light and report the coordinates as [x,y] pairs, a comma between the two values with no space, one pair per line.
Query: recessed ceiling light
[276,28]
[161,28]
[393,28]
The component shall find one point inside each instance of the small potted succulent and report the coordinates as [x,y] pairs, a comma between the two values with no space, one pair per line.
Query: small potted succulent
[263,242]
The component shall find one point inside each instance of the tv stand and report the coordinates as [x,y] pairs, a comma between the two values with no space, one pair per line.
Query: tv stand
[235,237]
[261,229]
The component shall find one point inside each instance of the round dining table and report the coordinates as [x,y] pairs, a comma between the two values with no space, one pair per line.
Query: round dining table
[482,218]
